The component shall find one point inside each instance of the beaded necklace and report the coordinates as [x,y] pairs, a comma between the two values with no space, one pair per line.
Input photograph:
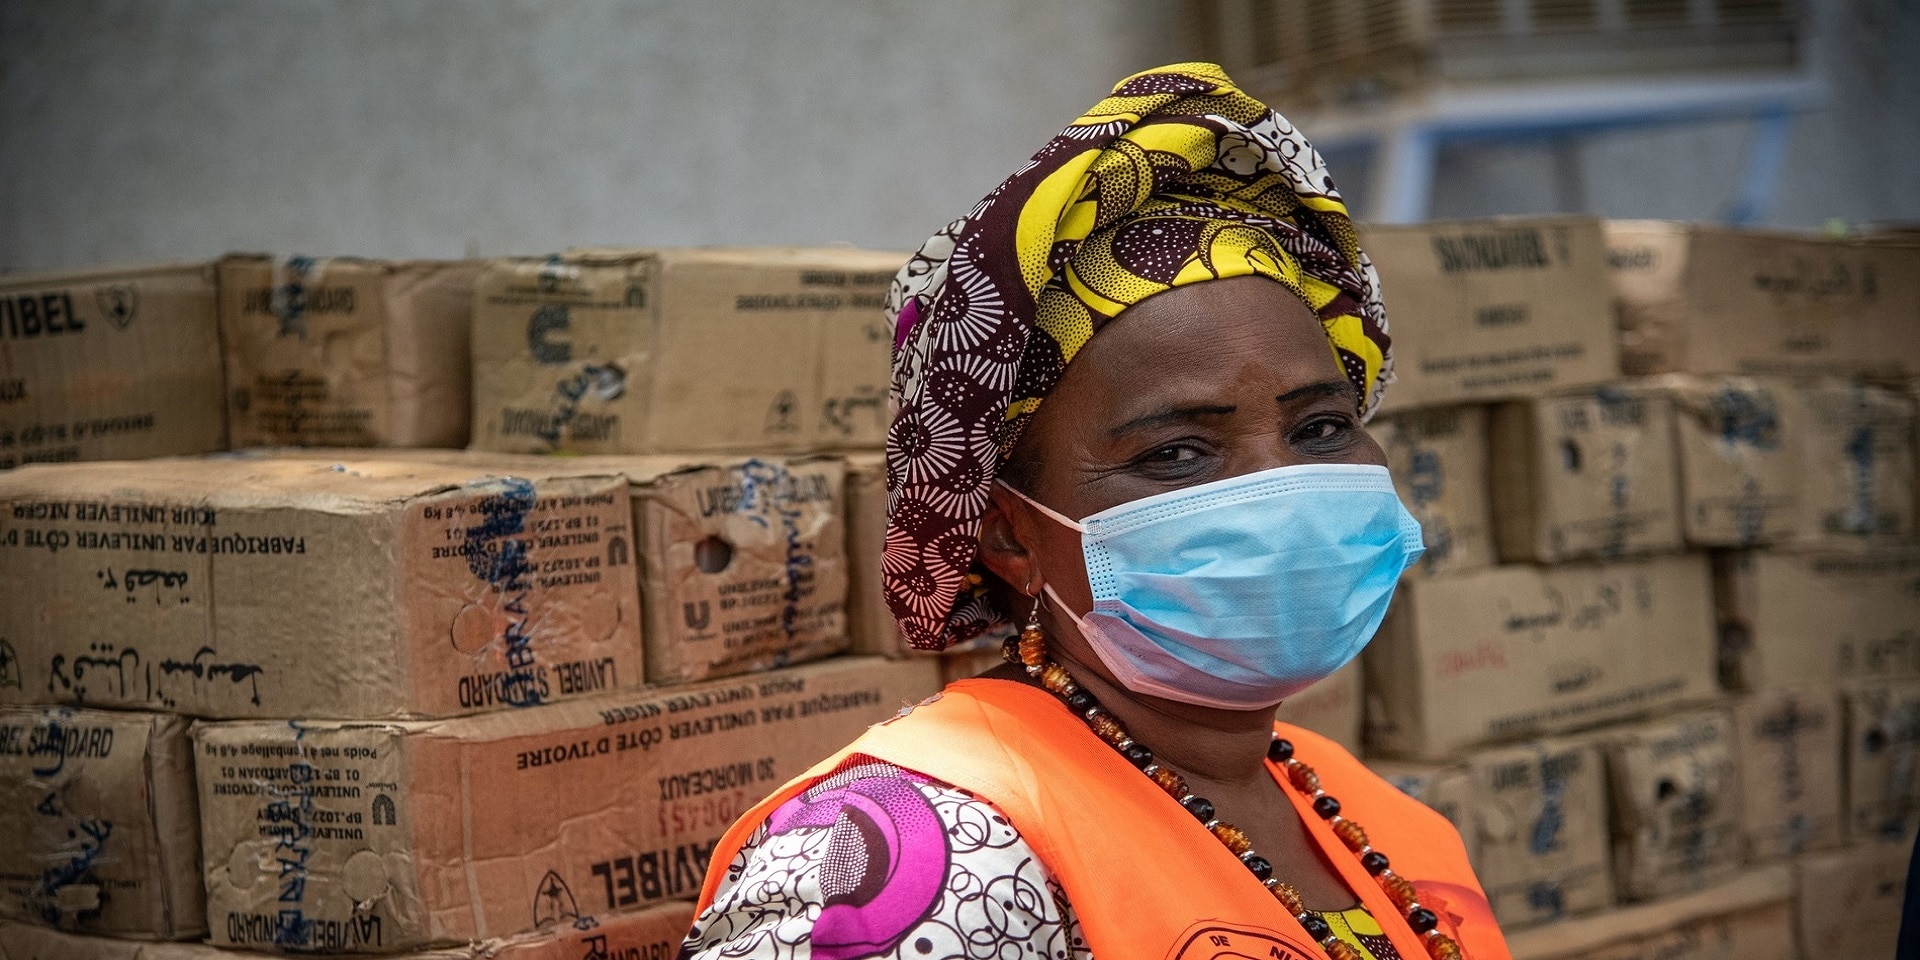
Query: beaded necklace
[1029,650]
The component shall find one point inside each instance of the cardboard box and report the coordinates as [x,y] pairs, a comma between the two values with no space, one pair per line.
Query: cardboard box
[653,933]
[742,561]
[1759,933]
[1706,299]
[1516,651]
[98,830]
[277,588]
[109,365]
[1789,743]
[1810,617]
[1675,788]
[1849,901]
[744,564]
[968,663]
[344,352]
[1504,308]
[1858,451]
[1883,752]
[1540,809]
[1585,474]
[1332,708]
[1439,462]
[1739,441]
[1749,916]
[709,349]
[1446,788]
[650,933]
[408,834]
[869,623]
[21,942]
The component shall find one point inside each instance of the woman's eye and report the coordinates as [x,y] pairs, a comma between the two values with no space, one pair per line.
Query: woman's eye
[1172,453]
[1326,431]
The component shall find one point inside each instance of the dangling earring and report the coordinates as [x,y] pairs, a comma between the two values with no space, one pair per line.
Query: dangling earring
[1030,650]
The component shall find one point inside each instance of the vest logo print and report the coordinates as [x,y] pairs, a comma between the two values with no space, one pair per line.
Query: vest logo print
[1211,940]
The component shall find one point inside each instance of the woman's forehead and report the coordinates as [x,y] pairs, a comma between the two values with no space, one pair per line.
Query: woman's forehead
[1193,352]
[1209,331]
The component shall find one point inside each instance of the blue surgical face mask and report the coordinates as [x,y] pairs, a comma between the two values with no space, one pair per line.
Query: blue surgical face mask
[1240,593]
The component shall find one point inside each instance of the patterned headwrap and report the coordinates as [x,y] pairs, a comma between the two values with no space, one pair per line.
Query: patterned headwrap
[1177,177]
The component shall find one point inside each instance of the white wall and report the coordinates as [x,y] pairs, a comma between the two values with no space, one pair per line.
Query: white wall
[177,129]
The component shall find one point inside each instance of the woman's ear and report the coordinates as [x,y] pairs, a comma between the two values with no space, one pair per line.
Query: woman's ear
[1003,544]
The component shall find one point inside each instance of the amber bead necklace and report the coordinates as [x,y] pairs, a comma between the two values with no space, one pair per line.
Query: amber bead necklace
[1029,650]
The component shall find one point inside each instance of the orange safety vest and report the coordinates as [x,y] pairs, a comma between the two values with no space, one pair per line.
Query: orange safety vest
[1146,879]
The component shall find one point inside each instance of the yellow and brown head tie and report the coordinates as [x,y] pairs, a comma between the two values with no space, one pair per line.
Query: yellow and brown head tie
[1178,177]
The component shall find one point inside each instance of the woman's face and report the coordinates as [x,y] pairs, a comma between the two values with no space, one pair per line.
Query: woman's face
[1201,383]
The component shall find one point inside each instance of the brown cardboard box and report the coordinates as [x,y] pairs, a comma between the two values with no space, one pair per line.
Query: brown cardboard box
[347,352]
[408,834]
[1540,809]
[21,942]
[1446,788]
[276,588]
[1439,462]
[744,564]
[1858,451]
[1514,651]
[1705,299]
[968,663]
[1805,617]
[98,831]
[1675,789]
[652,933]
[869,623]
[1585,474]
[1749,917]
[742,561]
[1758,933]
[109,365]
[1739,441]
[1331,708]
[1849,901]
[1504,308]
[1911,391]
[1883,751]
[1790,771]
[710,349]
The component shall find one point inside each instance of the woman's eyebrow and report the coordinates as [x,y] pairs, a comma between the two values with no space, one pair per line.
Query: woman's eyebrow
[1316,391]
[1172,415]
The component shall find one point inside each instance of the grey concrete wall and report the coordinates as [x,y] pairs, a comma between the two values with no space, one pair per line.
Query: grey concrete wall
[173,129]
[149,130]
[1854,157]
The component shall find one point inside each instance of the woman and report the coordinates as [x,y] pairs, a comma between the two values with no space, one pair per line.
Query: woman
[1120,426]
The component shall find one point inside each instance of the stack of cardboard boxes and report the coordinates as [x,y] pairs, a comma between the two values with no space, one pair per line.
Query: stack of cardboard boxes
[1660,665]
[1656,663]
[442,702]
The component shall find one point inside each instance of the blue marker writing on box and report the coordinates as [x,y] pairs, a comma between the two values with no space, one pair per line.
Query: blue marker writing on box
[496,552]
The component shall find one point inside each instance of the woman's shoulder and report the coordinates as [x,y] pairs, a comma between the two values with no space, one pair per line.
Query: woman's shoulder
[876,855]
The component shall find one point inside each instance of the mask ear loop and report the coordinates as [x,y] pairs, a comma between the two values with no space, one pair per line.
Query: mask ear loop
[1052,514]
